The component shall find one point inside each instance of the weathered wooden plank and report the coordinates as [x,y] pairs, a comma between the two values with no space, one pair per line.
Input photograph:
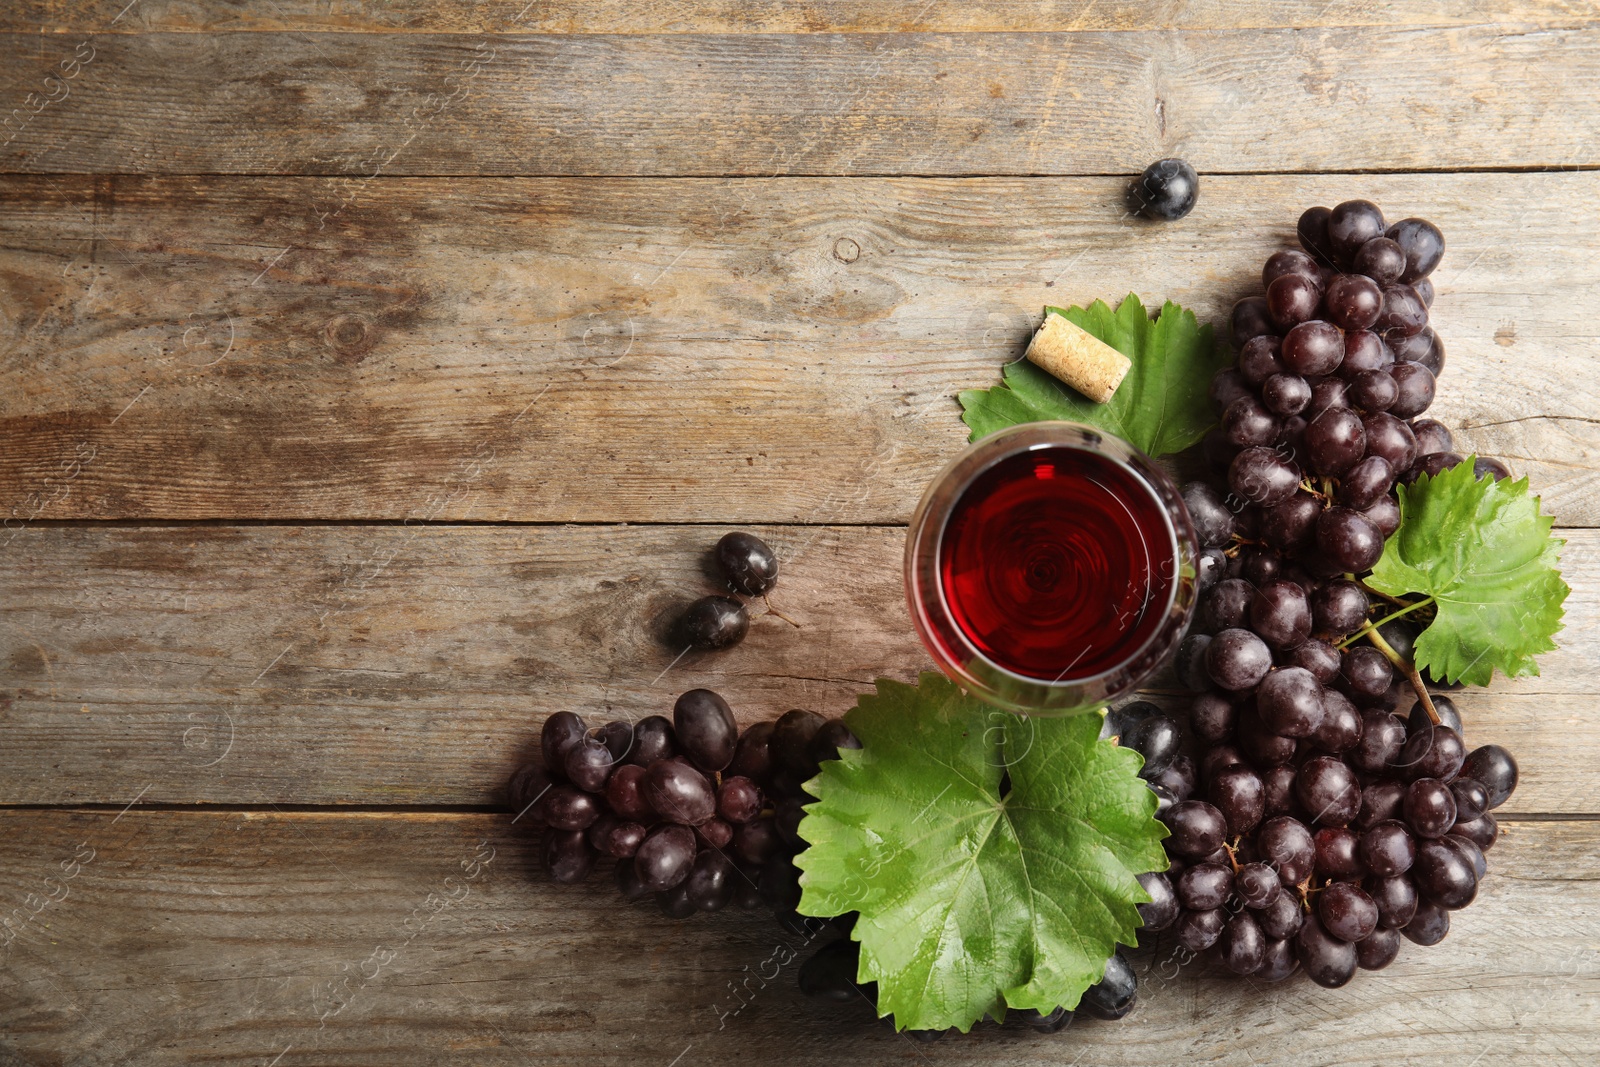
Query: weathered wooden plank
[726,16]
[392,665]
[385,939]
[762,350]
[1255,100]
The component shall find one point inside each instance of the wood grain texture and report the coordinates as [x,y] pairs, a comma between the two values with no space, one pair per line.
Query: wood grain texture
[729,16]
[388,939]
[667,350]
[393,665]
[1094,102]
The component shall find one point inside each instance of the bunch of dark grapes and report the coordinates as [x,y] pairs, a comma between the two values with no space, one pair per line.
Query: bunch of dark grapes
[693,811]
[1314,826]
[751,569]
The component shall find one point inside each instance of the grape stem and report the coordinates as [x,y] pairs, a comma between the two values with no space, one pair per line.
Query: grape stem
[1370,632]
[1393,615]
[774,611]
[1374,592]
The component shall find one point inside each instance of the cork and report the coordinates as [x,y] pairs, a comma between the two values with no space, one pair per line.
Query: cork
[1078,358]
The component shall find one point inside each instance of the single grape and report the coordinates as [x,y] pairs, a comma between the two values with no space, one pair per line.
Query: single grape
[675,903]
[1494,767]
[1181,779]
[1338,608]
[1378,949]
[1363,351]
[653,739]
[1167,190]
[1292,522]
[1204,886]
[1346,911]
[1247,422]
[1384,515]
[758,841]
[1162,909]
[1280,615]
[1484,467]
[1429,925]
[1351,225]
[1277,785]
[751,758]
[1289,702]
[1423,347]
[1336,854]
[1212,717]
[1366,672]
[566,807]
[1374,390]
[1312,229]
[714,622]
[832,736]
[1432,465]
[1353,301]
[588,765]
[749,564]
[568,859]
[1328,393]
[617,736]
[1327,789]
[1284,394]
[1283,917]
[1313,348]
[1482,831]
[1424,288]
[1217,759]
[1387,849]
[1237,659]
[1227,606]
[1212,518]
[1403,312]
[1382,737]
[1444,876]
[678,792]
[1188,663]
[1292,299]
[791,741]
[1197,828]
[1429,807]
[1329,961]
[1472,798]
[1290,261]
[1286,845]
[1336,440]
[560,732]
[1158,739]
[1341,726]
[1277,961]
[1396,898]
[1422,244]
[713,833]
[1262,477]
[1257,885]
[739,799]
[1349,539]
[1380,800]
[1390,438]
[1470,852]
[709,885]
[1209,568]
[1199,930]
[1259,359]
[665,858]
[1432,752]
[705,729]
[625,794]
[616,837]
[1261,564]
[1380,259]
[1414,389]
[1243,946]
[1431,436]
[528,783]
[1238,793]
[1228,385]
[1113,996]
[1291,442]
[1053,1022]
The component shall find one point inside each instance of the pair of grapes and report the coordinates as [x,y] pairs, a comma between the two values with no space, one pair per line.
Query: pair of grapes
[751,568]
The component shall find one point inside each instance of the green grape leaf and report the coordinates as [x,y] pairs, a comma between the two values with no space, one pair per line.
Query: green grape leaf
[972,902]
[1162,406]
[1483,551]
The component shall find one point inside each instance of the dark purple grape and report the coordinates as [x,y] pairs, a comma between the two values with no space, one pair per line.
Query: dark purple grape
[1277,962]
[1227,386]
[1431,436]
[1250,319]
[1396,898]
[1338,608]
[1280,615]
[1373,390]
[1283,917]
[1290,261]
[1364,351]
[780,884]
[1243,946]
[1349,539]
[1366,672]
[678,792]
[653,739]
[588,765]
[1327,393]
[1210,514]
[1259,360]
[1414,388]
[1328,791]
[1482,831]
[1336,853]
[1289,702]
[787,817]
[790,745]
[568,859]
[705,729]
[1218,759]
[1286,846]
[1472,798]
[1158,740]
[1432,752]
[616,837]
[1199,930]
[1262,477]
[1228,605]
[714,622]
[1382,737]
[1335,441]
[1204,886]
[528,783]
[675,903]
[1257,885]
[665,858]
[1494,767]
[739,799]
[1378,949]
[1380,800]
[1390,438]
[1380,259]
[1444,876]
[1166,191]
[628,883]
[1312,230]
[1429,925]
[1353,301]
[560,732]
[1424,288]
[1246,422]
[1188,663]
[1197,828]
[1346,911]
[1181,779]
[1423,347]
[1318,657]
[1277,786]
[1403,312]
[713,833]
[1237,659]
[625,794]
[1432,465]
[1237,792]
[1484,467]
[1385,515]
[617,736]
[1261,564]
[1292,522]
[1291,440]
[1341,726]
[1114,995]
[1387,849]
[566,807]
[1313,348]
[1212,717]
[1421,243]
[709,885]
[829,739]
[1292,299]
[1351,225]
[1284,394]
[1162,909]
[1329,961]
[757,842]
[1429,808]
[750,565]
[1470,852]
[1261,746]
[751,759]
[1209,569]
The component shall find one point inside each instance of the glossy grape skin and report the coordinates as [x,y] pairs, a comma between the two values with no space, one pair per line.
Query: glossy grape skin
[739,800]
[653,739]
[1389,437]
[1346,911]
[1429,808]
[1204,886]
[1329,392]
[560,732]
[1424,288]
[1246,422]
[1382,737]
[1278,961]
[1260,746]
[1250,318]
[1243,946]
[1378,949]
[1228,605]
[1283,394]
[1421,243]
[1199,930]
[1292,522]
[1431,436]
[1484,466]
[1472,798]
[1318,657]
[1364,351]
[1352,224]
[1384,515]
[1212,717]
[790,745]
[616,837]
[832,736]
[1380,259]
[709,884]
[1290,261]
[1432,752]
[751,757]
[1312,230]
[1414,389]
[1336,854]
[1289,701]
[1167,190]
[1228,385]
[1209,568]
[625,794]
[1349,539]
[617,736]
[1380,800]
[1353,301]
[1283,917]
[1259,359]
[1188,663]
[1387,849]
[1443,876]
[1374,390]
[1162,909]
[1210,514]
[1158,739]
[1341,726]
[1287,846]
[678,792]
[1494,767]
[1277,784]
[588,764]
[1053,1022]
[1237,659]
[1328,791]
[749,564]
[1237,792]
[1181,778]
[1432,464]
[1403,312]
[1313,348]
[1262,477]
[566,807]
[527,784]
[1198,828]
[1470,852]
[1396,898]
[1257,885]
[1424,347]
[1483,831]
[1329,961]
[568,858]
[675,903]
[1113,996]
[715,622]
[714,833]
[1279,614]
[1429,925]
[1336,439]
[1338,608]
[1366,672]
[1292,299]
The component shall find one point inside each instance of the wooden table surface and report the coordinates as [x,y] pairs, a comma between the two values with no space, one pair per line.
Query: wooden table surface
[377,372]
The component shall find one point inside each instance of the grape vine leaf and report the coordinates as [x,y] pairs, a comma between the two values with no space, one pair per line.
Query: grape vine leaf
[1162,406]
[971,902]
[1483,551]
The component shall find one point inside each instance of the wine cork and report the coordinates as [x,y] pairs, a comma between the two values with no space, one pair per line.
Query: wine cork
[1078,358]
